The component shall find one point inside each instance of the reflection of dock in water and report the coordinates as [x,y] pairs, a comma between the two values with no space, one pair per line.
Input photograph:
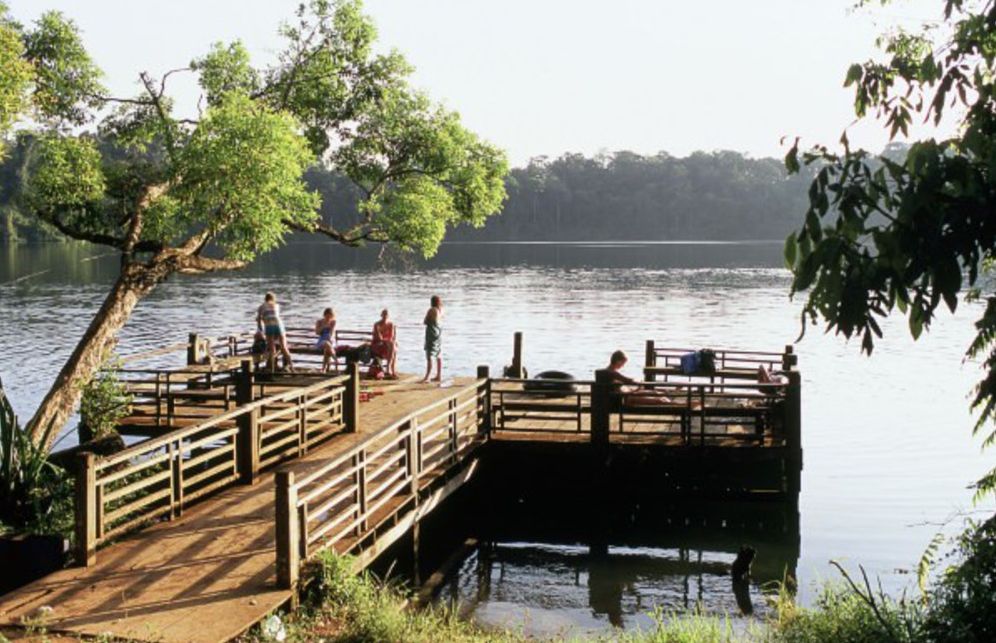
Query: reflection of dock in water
[543,554]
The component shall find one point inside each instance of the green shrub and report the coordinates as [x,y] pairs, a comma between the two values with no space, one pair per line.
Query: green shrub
[962,603]
[104,401]
[35,496]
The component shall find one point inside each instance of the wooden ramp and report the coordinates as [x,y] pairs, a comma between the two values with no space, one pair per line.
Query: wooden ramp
[208,575]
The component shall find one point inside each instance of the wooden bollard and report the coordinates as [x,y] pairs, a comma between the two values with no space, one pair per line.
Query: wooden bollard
[193,349]
[351,399]
[649,361]
[601,392]
[288,531]
[517,355]
[86,510]
[247,454]
[484,416]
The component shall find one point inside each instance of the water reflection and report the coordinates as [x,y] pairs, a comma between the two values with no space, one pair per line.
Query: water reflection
[553,567]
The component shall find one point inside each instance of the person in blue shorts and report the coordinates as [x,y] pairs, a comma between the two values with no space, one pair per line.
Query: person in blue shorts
[268,320]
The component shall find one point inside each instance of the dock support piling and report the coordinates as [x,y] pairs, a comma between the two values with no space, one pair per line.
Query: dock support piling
[649,361]
[793,431]
[288,531]
[351,399]
[517,356]
[248,423]
[789,358]
[86,510]
[600,397]
[484,415]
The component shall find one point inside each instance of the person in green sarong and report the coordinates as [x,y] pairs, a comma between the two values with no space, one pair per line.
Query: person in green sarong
[434,339]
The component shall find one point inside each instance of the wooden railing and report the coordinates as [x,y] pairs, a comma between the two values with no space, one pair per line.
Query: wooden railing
[692,413]
[346,498]
[156,479]
[665,363]
[538,406]
[166,399]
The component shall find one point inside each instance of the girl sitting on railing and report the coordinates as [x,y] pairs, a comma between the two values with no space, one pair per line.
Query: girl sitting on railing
[325,329]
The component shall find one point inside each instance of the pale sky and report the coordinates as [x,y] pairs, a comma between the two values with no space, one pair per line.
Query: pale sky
[544,77]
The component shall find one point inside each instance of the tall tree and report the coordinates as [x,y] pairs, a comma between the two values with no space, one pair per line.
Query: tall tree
[175,194]
[884,233]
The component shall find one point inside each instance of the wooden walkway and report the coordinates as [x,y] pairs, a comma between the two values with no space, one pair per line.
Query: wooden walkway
[209,574]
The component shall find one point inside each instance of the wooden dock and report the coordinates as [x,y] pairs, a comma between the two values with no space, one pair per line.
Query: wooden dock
[198,530]
[209,574]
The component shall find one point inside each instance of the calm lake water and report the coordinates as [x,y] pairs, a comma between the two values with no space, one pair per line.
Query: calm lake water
[888,452]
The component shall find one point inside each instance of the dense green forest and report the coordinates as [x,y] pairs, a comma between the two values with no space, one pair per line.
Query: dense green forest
[620,196]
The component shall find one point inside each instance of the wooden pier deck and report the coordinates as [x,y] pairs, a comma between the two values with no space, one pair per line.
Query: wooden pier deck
[207,575]
[198,531]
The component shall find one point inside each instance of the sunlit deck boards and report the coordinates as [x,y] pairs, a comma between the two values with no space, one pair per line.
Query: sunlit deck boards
[207,575]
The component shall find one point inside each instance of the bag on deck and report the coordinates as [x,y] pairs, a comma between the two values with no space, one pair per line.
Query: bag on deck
[701,361]
[690,363]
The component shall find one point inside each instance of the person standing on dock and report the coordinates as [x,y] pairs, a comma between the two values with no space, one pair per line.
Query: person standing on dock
[268,320]
[434,339]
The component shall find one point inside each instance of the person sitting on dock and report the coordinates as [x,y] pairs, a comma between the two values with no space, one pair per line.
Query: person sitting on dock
[633,393]
[767,377]
[268,320]
[385,343]
[325,330]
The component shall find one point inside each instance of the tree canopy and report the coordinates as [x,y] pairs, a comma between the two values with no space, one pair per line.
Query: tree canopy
[911,235]
[175,193]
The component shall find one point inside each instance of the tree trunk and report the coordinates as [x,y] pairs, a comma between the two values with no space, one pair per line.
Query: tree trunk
[135,282]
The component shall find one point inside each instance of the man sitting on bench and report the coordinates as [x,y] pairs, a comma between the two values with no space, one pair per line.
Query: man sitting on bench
[632,393]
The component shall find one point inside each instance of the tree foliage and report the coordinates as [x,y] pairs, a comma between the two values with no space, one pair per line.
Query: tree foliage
[910,235]
[17,73]
[173,193]
[628,196]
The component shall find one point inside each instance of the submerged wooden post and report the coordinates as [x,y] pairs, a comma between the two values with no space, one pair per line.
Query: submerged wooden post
[86,510]
[793,431]
[247,454]
[193,349]
[601,392]
[484,415]
[351,399]
[517,355]
[288,531]
[789,358]
[649,361]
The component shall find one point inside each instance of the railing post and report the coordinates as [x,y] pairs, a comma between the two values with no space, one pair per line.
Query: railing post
[649,361]
[411,456]
[86,510]
[454,430]
[361,490]
[789,358]
[193,349]
[247,454]
[288,531]
[793,431]
[517,356]
[351,399]
[484,415]
[601,392]
[302,425]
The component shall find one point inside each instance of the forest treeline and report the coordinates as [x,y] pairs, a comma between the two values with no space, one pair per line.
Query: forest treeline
[720,195]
